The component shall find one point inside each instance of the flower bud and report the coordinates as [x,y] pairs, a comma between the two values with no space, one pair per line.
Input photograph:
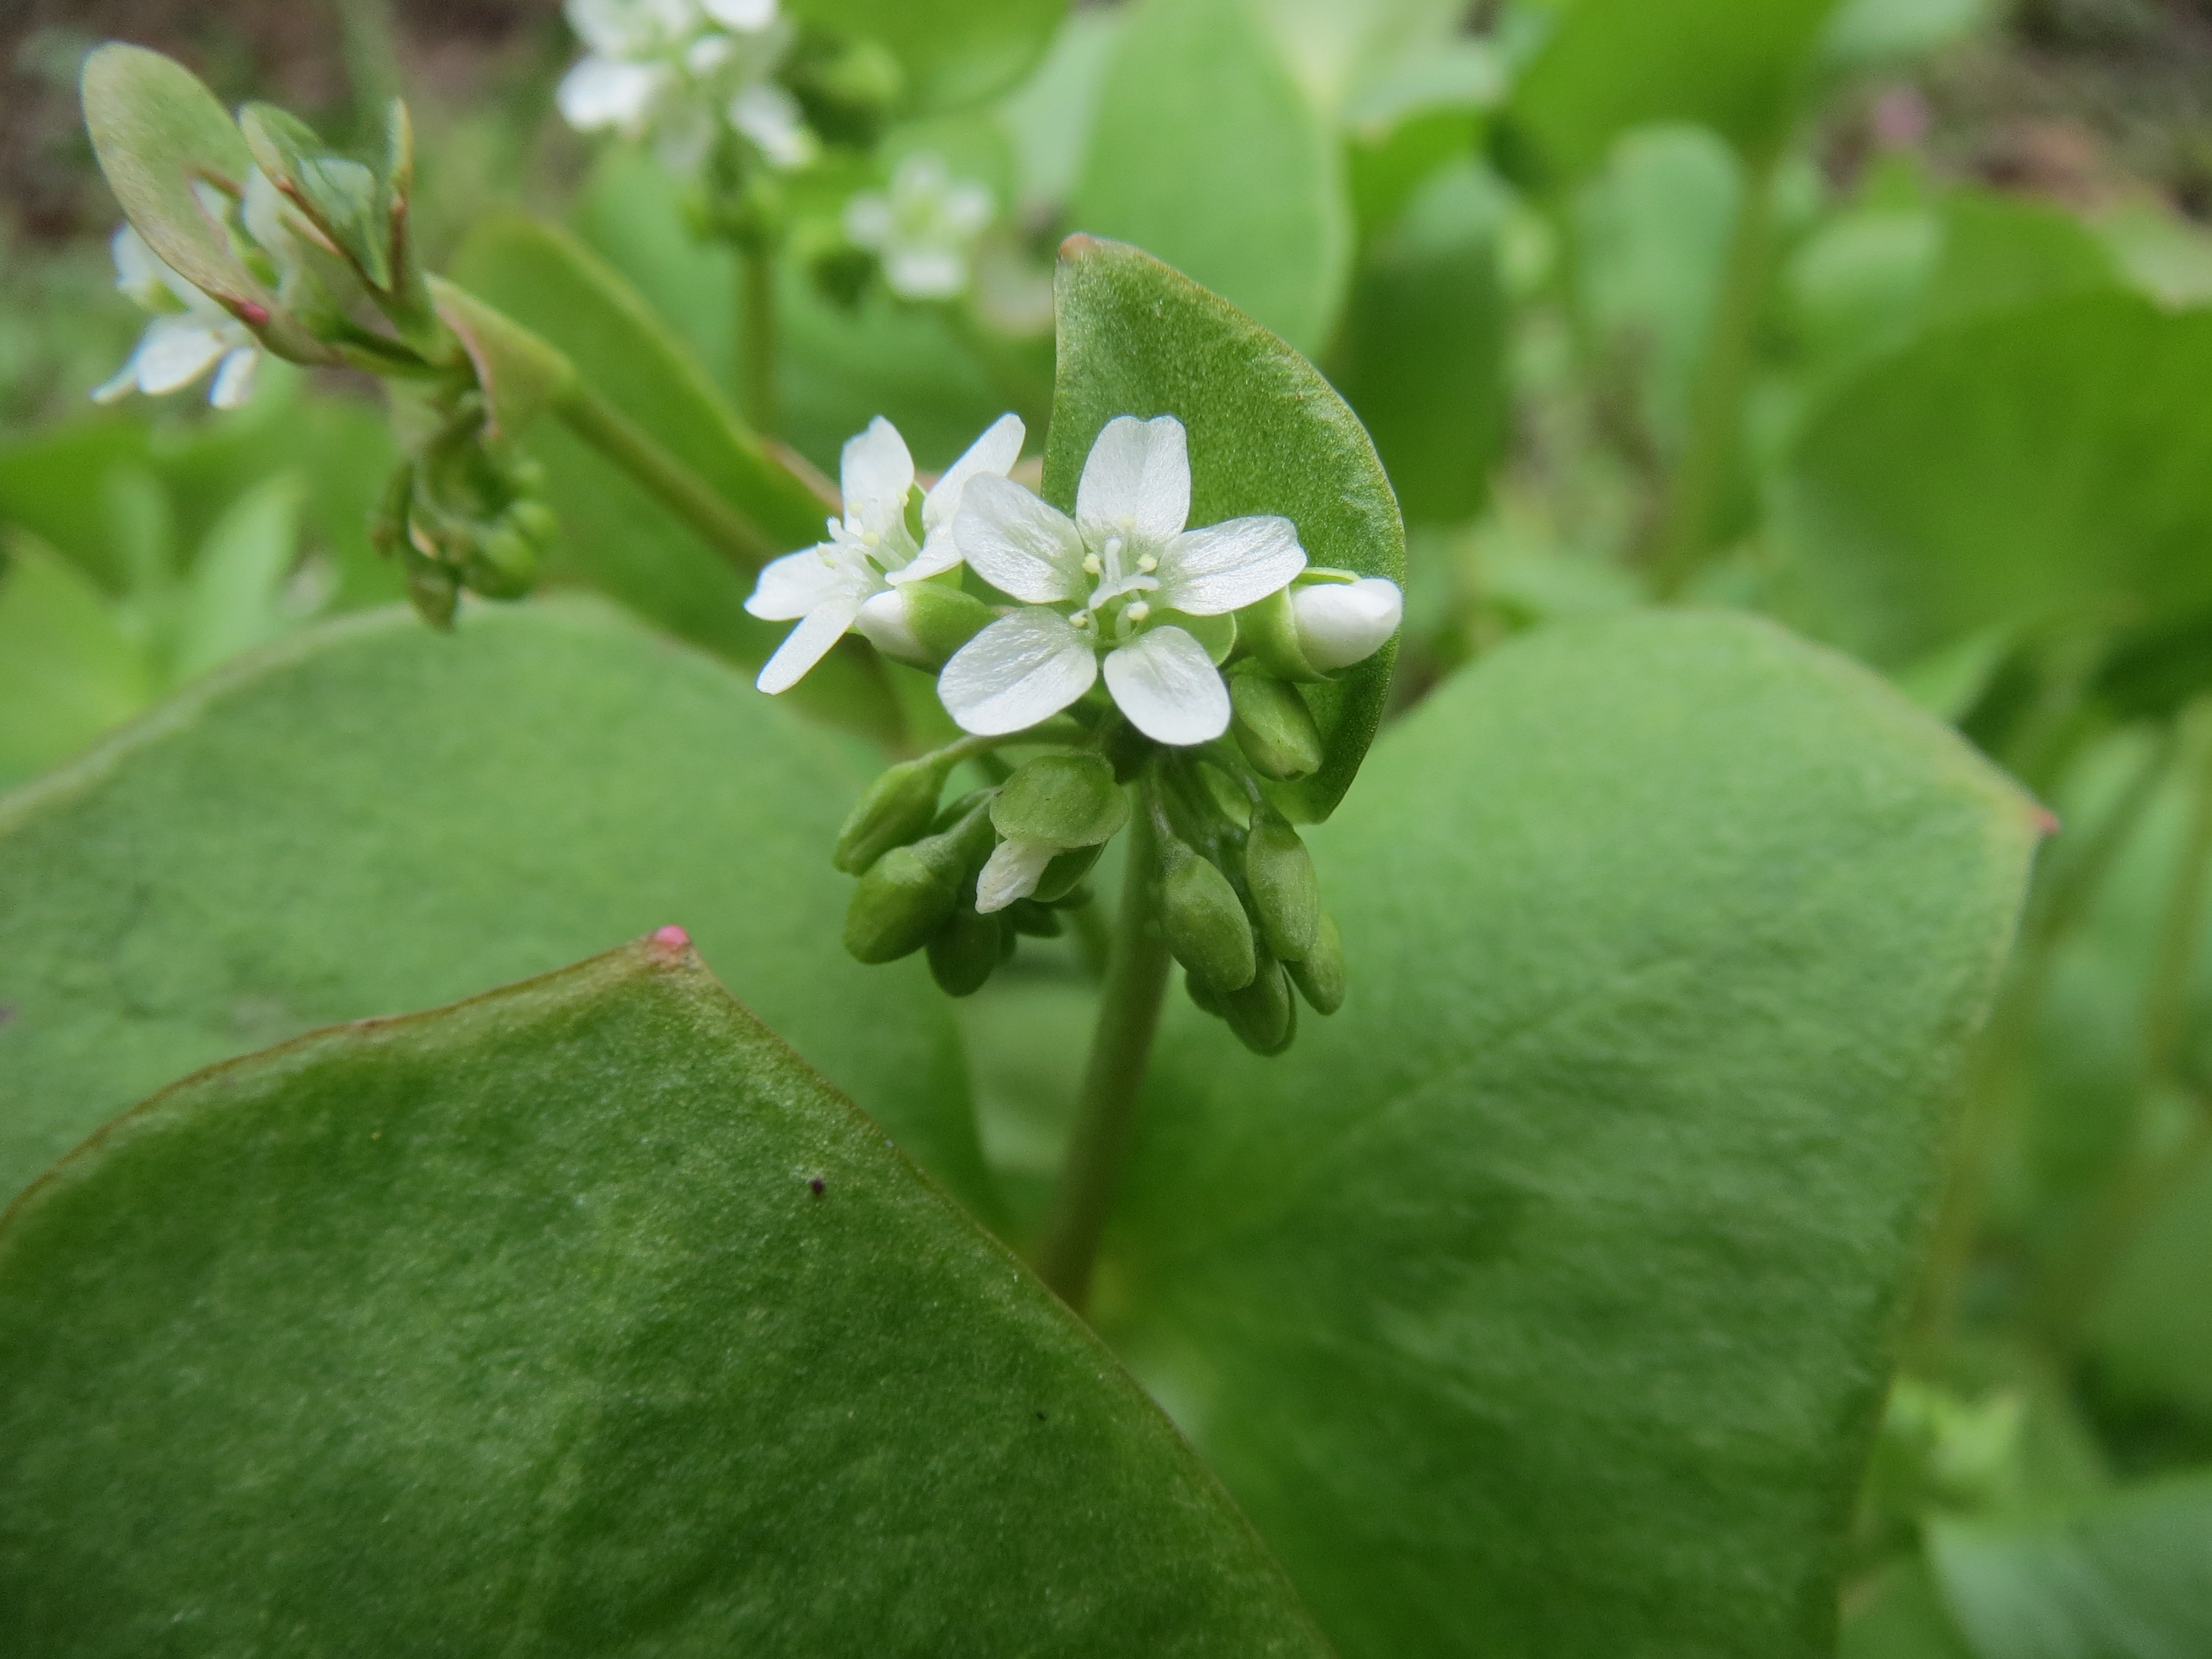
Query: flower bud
[964,952]
[1036,921]
[1319,975]
[1065,872]
[1011,873]
[896,809]
[1061,801]
[1263,1014]
[1286,889]
[1273,727]
[906,896]
[1207,1002]
[922,623]
[1340,623]
[1206,926]
[501,563]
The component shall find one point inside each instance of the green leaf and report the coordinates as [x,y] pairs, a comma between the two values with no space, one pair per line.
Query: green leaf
[955,53]
[67,671]
[158,132]
[232,602]
[1544,1304]
[1206,153]
[1421,359]
[1737,66]
[1999,251]
[580,1318]
[370,817]
[2045,462]
[2124,1576]
[1864,35]
[1267,436]
[521,376]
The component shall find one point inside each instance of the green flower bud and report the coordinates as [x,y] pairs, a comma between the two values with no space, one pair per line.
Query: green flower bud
[1273,727]
[1319,975]
[1286,889]
[1037,920]
[502,564]
[1269,631]
[922,623]
[1062,800]
[906,896]
[1206,926]
[964,952]
[897,808]
[1066,873]
[534,519]
[1263,1014]
[962,806]
[1207,1002]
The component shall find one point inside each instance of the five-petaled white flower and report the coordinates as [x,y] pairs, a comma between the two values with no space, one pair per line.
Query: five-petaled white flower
[671,69]
[1111,582]
[871,549]
[923,228]
[191,333]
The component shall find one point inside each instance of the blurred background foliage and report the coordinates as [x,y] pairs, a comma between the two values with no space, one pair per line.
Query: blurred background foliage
[1886,317]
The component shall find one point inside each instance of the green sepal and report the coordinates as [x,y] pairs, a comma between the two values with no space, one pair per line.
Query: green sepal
[1207,928]
[1270,634]
[898,808]
[1061,800]
[1274,727]
[341,198]
[521,373]
[1216,634]
[1065,872]
[909,894]
[1319,975]
[1263,1014]
[964,952]
[1284,887]
[943,618]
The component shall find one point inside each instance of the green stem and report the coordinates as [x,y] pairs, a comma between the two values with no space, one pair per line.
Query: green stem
[1121,1046]
[634,449]
[757,334]
[1708,460]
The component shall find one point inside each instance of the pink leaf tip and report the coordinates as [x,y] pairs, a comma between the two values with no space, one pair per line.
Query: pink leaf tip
[673,938]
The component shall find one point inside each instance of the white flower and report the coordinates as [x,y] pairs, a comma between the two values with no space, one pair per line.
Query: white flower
[924,229]
[1340,623]
[870,548]
[673,69]
[191,333]
[1117,573]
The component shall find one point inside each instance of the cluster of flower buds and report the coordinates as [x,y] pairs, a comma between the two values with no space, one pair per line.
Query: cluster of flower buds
[965,881]
[465,511]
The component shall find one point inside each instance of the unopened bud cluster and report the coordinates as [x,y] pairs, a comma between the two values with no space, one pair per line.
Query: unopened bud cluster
[465,512]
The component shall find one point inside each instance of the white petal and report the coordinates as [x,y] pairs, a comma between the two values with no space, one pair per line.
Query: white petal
[120,386]
[994,453]
[602,93]
[233,381]
[925,273]
[138,271]
[745,16]
[799,582]
[920,175]
[175,352]
[884,624]
[868,220]
[939,553]
[1020,669]
[771,117]
[1011,873]
[1168,686]
[265,217]
[876,475]
[1137,478]
[1225,567]
[709,53]
[807,644]
[967,209]
[1019,544]
[1340,623]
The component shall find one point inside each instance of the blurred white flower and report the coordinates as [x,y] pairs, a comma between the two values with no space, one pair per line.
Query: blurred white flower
[191,333]
[924,228]
[870,548]
[673,71]
[1109,584]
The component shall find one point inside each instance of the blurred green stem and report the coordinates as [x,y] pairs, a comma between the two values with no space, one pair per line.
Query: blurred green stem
[1700,479]
[627,444]
[757,334]
[1113,1074]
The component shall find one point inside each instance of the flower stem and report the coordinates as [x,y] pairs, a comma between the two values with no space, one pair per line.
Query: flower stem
[756,342]
[634,449]
[1708,458]
[1121,1046]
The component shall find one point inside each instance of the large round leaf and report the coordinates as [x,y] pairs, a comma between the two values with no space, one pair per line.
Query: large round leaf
[1542,1304]
[579,1319]
[372,818]
[1267,434]
[954,53]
